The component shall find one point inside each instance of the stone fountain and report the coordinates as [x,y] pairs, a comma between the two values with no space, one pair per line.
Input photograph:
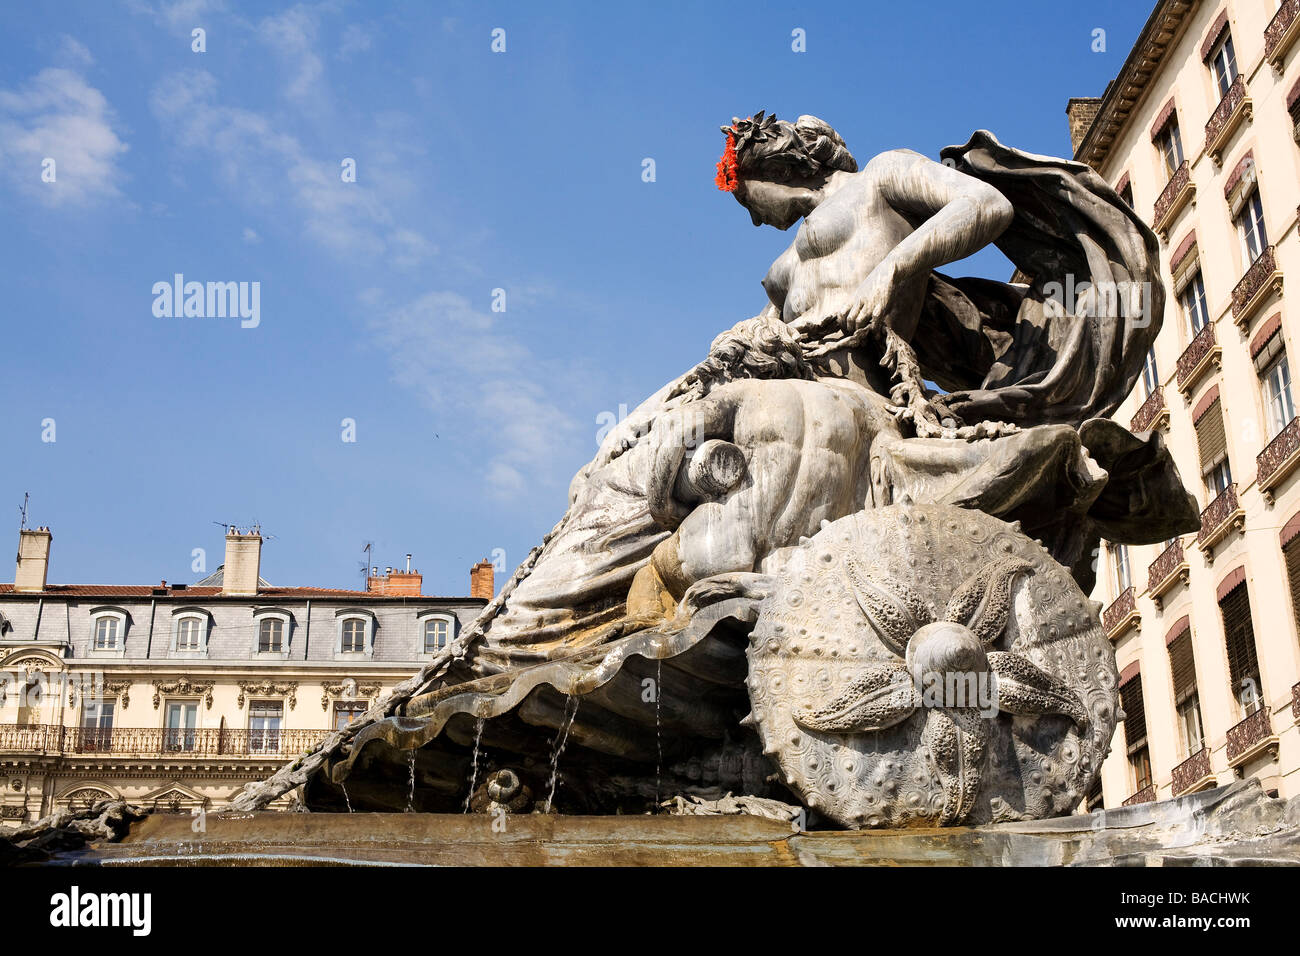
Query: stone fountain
[839,566]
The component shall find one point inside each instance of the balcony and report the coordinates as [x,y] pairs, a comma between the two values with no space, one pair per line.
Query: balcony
[1146,795]
[1201,353]
[1153,413]
[1281,33]
[1250,738]
[1121,615]
[157,741]
[1295,703]
[1232,111]
[1261,280]
[1167,570]
[1278,459]
[1178,192]
[1193,773]
[1223,515]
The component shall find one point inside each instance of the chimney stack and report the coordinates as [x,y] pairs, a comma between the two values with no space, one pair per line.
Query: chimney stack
[33,559]
[408,583]
[1081,111]
[482,580]
[243,563]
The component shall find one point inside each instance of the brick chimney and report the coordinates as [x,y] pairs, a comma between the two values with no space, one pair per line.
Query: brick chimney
[1081,110]
[243,562]
[482,580]
[33,559]
[408,583]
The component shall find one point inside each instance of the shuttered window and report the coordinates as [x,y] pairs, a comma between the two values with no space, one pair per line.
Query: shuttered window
[1135,716]
[1182,664]
[1239,638]
[1291,554]
[1211,439]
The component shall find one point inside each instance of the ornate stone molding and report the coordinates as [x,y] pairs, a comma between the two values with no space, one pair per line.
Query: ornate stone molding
[249,688]
[340,689]
[185,686]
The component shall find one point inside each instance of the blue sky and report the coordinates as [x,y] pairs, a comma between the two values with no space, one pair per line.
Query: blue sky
[476,171]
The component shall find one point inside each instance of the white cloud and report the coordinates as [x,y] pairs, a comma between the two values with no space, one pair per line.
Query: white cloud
[58,115]
[356,39]
[73,52]
[293,34]
[255,158]
[178,15]
[464,364]
[251,237]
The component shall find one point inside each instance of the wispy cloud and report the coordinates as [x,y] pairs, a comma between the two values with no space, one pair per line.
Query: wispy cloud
[255,157]
[462,362]
[293,35]
[58,116]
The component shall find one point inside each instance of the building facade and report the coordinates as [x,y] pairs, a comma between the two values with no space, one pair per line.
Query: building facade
[1200,133]
[174,696]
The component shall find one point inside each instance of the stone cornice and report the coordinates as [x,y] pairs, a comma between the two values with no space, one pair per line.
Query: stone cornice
[1129,86]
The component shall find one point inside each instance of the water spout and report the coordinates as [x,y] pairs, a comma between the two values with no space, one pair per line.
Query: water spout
[473,772]
[344,787]
[561,739]
[659,740]
[410,793]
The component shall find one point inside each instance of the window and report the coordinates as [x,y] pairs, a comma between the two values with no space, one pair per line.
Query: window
[1223,61]
[1127,194]
[346,711]
[189,634]
[1192,299]
[1150,375]
[1187,705]
[1250,225]
[1277,395]
[1170,143]
[354,635]
[106,633]
[1123,573]
[182,729]
[1135,732]
[264,719]
[1239,639]
[1212,444]
[97,726]
[270,635]
[1093,799]
[437,631]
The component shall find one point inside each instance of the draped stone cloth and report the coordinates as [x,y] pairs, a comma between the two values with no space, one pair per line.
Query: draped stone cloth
[1037,355]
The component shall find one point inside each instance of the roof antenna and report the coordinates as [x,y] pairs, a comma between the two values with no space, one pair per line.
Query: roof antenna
[22,525]
[367,550]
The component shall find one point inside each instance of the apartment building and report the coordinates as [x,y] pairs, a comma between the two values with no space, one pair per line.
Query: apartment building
[1200,133]
[175,696]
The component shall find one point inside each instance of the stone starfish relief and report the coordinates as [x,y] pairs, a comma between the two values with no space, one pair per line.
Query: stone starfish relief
[980,688]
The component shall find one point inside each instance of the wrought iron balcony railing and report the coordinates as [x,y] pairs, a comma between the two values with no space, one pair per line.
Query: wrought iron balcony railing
[1152,413]
[1146,795]
[1278,459]
[1177,192]
[1295,703]
[1168,568]
[1262,278]
[158,741]
[1246,738]
[1121,613]
[1281,32]
[1200,353]
[1221,516]
[1227,116]
[1192,773]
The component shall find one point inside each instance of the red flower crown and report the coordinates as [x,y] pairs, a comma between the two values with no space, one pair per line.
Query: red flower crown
[726,178]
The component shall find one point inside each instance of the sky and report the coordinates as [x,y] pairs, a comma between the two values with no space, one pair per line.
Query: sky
[440,338]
